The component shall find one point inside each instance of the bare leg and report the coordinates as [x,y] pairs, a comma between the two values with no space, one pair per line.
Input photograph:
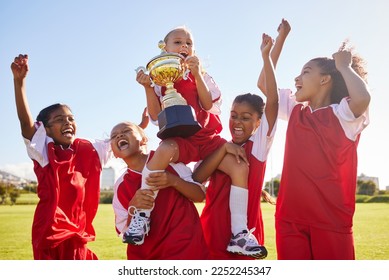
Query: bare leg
[238,173]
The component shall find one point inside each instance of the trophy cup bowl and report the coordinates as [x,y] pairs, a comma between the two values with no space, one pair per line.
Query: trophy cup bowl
[177,118]
[166,68]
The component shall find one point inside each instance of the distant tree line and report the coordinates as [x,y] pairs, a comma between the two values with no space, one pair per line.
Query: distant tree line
[363,188]
[12,192]
[366,187]
[8,190]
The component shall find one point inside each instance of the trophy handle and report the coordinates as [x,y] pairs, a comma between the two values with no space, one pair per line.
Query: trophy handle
[186,74]
[141,68]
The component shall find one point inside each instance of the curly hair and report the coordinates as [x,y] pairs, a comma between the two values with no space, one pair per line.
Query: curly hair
[327,66]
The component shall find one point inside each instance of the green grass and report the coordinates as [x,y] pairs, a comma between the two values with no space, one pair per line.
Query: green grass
[27,198]
[15,232]
[371,233]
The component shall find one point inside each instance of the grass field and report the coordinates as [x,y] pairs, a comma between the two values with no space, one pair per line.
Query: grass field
[371,224]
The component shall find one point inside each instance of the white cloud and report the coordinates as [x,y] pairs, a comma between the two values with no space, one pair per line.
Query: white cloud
[24,170]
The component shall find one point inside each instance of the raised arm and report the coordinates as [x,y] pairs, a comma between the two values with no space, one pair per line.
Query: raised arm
[205,96]
[19,70]
[145,119]
[153,105]
[283,31]
[271,107]
[356,86]
[216,159]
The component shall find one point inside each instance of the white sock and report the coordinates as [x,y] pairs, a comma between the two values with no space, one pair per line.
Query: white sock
[238,209]
[145,173]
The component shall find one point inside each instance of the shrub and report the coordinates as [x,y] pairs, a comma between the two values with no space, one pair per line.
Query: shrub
[379,198]
[106,197]
[381,192]
[361,198]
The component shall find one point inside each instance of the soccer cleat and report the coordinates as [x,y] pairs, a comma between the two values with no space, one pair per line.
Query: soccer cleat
[138,228]
[245,243]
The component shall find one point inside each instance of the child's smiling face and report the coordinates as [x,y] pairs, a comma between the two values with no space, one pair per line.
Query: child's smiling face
[180,41]
[126,140]
[244,120]
[61,126]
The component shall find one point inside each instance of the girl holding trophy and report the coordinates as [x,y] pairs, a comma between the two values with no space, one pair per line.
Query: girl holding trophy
[200,92]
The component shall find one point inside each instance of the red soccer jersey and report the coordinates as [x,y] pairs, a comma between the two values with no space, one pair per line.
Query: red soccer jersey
[175,228]
[210,123]
[209,120]
[207,139]
[216,217]
[68,191]
[320,166]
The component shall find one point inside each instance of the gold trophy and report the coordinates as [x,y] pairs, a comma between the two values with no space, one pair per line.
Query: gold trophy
[177,118]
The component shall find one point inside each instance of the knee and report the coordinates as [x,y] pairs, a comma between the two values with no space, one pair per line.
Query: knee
[167,148]
[239,174]
[240,170]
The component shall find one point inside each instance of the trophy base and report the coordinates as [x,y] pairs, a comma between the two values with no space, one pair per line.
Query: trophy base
[177,121]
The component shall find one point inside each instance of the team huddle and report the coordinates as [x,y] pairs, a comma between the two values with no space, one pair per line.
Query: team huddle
[154,198]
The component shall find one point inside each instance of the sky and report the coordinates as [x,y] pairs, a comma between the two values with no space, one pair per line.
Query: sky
[83,53]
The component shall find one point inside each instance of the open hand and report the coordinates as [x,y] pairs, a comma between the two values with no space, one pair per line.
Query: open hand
[238,151]
[161,180]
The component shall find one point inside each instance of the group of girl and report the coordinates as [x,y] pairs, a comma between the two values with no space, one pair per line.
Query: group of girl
[153,199]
